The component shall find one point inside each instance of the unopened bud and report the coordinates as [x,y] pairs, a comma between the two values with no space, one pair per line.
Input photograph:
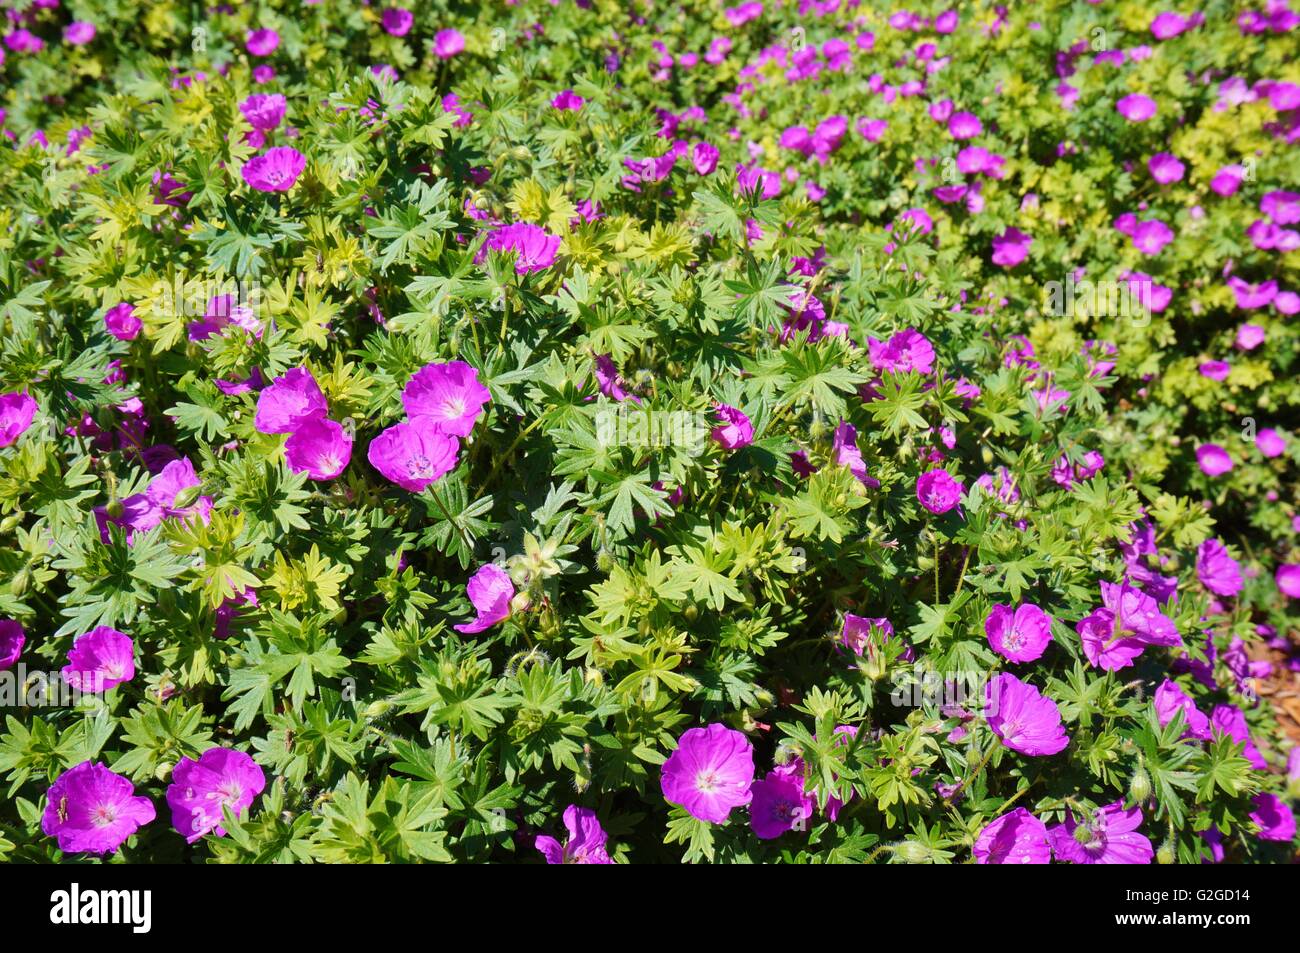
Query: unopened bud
[911,852]
[1165,855]
[1139,786]
[520,602]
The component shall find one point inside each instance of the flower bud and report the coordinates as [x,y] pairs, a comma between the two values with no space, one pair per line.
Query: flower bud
[163,772]
[520,602]
[1139,786]
[9,522]
[911,852]
[1165,855]
[115,509]
[186,497]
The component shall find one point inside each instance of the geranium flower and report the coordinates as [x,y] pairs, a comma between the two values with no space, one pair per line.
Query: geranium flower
[397,21]
[16,414]
[1270,443]
[12,640]
[1218,571]
[1011,248]
[1213,460]
[449,396]
[1231,721]
[276,170]
[1014,838]
[101,659]
[1274,817]
[78,33]
[964,125]
[1169,699]
[566,100]
[262,42]
[1136,107]
[264,111]
[1110,836]
[413,455]
[200,790]
[1021,635]
[586,843]
[856,633]
[121,322]
[734,431]
[447,43]
[91,810]
[490,590]
[704,157]
[1022,718]
[844,447]
[1165,168]
[1288,579]
[293,399]
[533,246]
[319,447]
[938,491]
[1127,622]
[710,773]
[906,350]
[778,804]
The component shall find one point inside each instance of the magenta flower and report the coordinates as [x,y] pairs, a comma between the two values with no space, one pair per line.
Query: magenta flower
[262,42]
[1249,337]
[856,632]
[448,396]
[1168,25]
[451,104]
[1110,836]
[1014,838]
[1270,443]
[1231,721]
[292,400]
[845,449]
[1136,107]
[1020,636]
[938,491]
[1218,571]
[78,33]
[608,379]
[397,21]
[710,773]
[1215,370]
[199,790]
[99,660]
[447,43]
[141,512]
[121,322]
[319,447]
[1213,459]
[1165,168]
[1170,699]
[1011,248]
[533,246]
[1274,817]
[1128,621]
[264,111]
[490,590]
[276,170]
[1150,237]
[566,100]
[1025,720]
[906,350]
[1288,579]
[778,804]
[12,640]
[1228,179]
[91,810]
[413,455]
[964,125]
[586,844]
[704,157]
[734,431]
[16,414]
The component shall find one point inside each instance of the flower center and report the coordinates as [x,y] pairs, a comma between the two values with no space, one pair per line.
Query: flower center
[419,467]
[707,782]
[454,408]
[102,815]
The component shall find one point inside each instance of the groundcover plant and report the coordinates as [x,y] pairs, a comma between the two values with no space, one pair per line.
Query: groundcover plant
[590,432]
